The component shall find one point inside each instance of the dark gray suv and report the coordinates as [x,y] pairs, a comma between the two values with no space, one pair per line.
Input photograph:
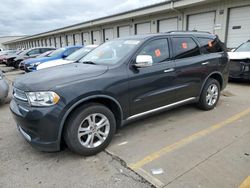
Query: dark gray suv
[83,103]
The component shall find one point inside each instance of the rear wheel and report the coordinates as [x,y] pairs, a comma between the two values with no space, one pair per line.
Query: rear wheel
[210,95]
[90,129]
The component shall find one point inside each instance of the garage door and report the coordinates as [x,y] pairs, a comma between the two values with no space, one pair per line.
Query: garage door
[53,42]
[168,25]
[70,41]
[77,39]
[202,22]
[96,36]
[123,31]
[108,34]
[238,26]
[143,28]
[86,38]
[58,41]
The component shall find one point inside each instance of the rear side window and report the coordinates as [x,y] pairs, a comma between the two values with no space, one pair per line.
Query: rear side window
[158,49]
[185,47]
[210,45]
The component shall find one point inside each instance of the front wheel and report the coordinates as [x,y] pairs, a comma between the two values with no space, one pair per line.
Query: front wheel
[90,129]
[16,64]
[210,95]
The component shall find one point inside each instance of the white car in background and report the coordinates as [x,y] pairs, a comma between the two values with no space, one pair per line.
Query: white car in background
[240,62]
[70,59]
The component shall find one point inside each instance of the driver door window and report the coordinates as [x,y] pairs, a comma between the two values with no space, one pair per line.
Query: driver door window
[157,49]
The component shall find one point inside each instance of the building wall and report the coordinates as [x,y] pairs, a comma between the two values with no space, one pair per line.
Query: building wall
[153,15]
[7,38]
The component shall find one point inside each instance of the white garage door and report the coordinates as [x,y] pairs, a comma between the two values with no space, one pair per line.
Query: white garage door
[238,27]
[123,31]
[143,28]
[58,41]
[202,22]
[96,37]
[108,34]
[86,38]
[70,41]
[53,42]
[168,25]
[77,39]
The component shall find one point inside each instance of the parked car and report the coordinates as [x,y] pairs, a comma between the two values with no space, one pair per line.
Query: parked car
[8,60]
[5,54]
[30,53]
[45,54]
[77,55]
[240,62]
[123,79]
[4,87]
[60,53]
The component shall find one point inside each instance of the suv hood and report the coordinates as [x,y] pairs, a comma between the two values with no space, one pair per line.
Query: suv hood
[239,55]
[49,78]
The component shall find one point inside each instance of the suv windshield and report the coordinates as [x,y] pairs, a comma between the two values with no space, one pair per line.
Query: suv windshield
[110,52]
[245,47]
[57,52]
[79,54]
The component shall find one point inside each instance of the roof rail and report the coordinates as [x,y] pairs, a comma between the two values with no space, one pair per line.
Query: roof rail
[180,31]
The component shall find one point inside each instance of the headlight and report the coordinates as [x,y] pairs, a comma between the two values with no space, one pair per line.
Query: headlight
[245,68]
[48,98]
[35,64]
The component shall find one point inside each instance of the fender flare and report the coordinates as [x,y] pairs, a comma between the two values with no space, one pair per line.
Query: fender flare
[72,107]
[203,84]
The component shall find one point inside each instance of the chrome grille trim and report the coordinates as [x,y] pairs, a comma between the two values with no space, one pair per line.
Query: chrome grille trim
[20,95]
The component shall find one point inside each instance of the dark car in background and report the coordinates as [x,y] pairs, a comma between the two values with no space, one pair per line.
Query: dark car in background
[8,60]
[5,54]
[240,62]
[30,53]
[84,103]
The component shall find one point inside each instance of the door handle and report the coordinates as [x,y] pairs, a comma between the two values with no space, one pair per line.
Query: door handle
[169,70]
[205,63]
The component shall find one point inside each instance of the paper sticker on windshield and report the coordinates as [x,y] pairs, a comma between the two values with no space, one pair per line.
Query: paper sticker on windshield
[184,45]
[134,42]
[157,52]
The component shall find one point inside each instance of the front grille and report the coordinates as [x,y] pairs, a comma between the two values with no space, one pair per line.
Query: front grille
[20,95]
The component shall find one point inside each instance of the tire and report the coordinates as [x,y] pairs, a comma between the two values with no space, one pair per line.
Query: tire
[80,119]
[16,64]
[208,98]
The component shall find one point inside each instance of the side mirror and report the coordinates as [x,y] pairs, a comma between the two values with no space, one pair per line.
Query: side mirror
[143,61]
[232,50]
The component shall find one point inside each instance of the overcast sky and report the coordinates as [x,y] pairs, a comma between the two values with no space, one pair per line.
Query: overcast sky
[19,17]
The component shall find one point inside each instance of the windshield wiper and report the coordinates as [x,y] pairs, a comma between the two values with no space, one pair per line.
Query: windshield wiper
[89,62]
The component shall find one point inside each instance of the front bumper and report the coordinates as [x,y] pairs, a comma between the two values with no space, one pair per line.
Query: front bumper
[239,70]
[39,126]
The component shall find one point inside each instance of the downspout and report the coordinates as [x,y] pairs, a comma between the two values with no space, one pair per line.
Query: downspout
[179,12]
